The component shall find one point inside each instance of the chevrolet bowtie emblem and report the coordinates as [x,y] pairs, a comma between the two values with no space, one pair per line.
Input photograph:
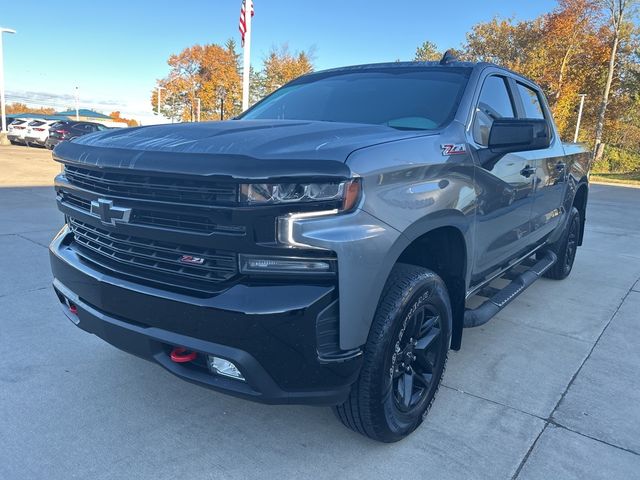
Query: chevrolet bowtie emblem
[108,214]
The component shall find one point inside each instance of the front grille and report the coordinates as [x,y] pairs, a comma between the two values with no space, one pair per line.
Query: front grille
[163,219]
[76,202]
[153,187]
[154,261]
[187,223]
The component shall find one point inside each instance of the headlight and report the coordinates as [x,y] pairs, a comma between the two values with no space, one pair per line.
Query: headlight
[346,193]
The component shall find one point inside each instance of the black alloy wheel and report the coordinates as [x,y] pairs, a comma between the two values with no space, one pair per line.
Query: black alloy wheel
[404,357]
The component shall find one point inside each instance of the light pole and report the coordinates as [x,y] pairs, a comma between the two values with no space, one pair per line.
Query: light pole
[159,89]
[222,93]
[3,123]
[575,137]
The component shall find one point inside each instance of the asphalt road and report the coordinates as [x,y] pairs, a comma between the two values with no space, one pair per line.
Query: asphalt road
[549,389]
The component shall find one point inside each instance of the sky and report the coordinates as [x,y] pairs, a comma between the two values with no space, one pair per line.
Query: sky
[115,51]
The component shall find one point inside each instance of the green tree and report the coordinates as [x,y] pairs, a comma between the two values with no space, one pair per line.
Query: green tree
[427,52]
[280,67]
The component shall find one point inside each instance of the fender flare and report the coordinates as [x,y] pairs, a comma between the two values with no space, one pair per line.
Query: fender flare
[425,225]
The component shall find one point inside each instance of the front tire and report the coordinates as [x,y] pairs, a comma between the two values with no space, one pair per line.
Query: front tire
[404,357]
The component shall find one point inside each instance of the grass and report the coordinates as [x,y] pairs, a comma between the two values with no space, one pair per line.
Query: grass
[622,178]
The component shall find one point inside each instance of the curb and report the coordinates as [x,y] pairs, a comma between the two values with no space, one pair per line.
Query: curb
[612,184]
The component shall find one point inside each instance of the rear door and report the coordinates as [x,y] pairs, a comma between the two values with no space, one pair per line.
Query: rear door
[550,168]
[504,189]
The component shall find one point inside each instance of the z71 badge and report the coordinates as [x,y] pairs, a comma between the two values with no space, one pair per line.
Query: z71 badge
[192,260]
[453,148]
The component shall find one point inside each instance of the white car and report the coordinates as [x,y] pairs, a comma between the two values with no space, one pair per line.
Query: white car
[38,132]
[17,130]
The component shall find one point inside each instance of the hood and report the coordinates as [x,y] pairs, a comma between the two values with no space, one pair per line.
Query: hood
[239,148]
[277,139]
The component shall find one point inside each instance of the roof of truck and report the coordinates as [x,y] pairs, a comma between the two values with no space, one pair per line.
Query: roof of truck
[366,66]
[435,64]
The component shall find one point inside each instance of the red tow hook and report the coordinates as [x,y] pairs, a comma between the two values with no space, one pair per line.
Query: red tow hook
[73,309]
[182,355]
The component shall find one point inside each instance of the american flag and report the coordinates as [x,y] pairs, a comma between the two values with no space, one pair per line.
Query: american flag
[243,24]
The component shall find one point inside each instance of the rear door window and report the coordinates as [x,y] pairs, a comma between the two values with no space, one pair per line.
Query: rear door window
[82,128]
[531,102]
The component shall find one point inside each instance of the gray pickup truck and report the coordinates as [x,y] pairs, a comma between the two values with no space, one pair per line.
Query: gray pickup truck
[328,246]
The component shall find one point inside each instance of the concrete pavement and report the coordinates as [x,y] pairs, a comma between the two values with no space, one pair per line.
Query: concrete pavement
[548,389]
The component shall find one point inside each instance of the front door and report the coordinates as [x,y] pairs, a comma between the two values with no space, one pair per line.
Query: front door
[504,189]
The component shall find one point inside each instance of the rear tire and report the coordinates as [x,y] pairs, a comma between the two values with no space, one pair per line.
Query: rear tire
[565,248]
[404,357]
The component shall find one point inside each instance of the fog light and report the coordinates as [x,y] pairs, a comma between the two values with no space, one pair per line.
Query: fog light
[224,367]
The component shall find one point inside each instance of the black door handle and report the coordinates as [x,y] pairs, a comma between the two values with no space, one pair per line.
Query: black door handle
[527,171]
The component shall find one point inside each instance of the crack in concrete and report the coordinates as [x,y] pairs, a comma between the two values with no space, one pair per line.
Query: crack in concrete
[31,240]
[4,295]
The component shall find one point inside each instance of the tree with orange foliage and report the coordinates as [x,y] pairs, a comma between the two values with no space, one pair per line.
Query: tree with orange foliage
[619,13]
[563,51]
[582,46]
[17,107]
[568,59]
[504,42]
[115,116]
[206,72]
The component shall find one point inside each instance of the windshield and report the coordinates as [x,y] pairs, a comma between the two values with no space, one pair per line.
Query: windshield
[405,98]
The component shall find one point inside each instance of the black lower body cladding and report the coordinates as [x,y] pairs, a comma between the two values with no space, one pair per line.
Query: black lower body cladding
[269,331]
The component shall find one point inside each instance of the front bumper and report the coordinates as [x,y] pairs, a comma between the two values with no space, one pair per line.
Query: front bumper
[268,331]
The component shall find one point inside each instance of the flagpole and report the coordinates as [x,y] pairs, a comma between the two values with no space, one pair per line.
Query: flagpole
[246,56]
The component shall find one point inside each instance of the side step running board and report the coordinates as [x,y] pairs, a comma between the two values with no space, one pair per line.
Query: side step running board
[482,314]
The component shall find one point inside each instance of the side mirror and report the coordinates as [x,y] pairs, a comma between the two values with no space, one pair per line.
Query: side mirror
[518,135]
[508,135]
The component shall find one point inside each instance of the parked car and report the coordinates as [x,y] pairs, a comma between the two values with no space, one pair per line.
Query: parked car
[70,129]
[16,130]
[321,249]
[37,132]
